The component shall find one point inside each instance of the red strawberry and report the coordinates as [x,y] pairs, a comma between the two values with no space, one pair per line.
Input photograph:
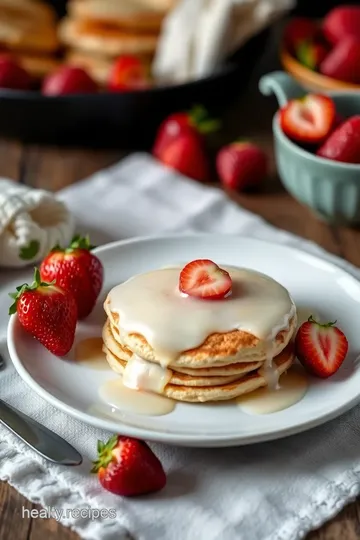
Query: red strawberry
[128,467]
[321,348]
[186,154]
[342,22]
[69,80]
[48,313]
[195,121]
[344,143]
[297,31]
[311,54]
[204,279]
[308,119]
[241,165]
[12,75]
[128,72]
[77,270]
[343,62]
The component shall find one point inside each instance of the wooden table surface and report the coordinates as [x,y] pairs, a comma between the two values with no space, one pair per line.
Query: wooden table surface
[55,168]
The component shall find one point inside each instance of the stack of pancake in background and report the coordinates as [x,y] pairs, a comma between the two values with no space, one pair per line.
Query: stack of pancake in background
[96,32]
[224,367]
[28,30]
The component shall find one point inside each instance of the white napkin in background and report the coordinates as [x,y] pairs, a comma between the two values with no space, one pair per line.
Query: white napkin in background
[32,222]
[198,34]
[272,491]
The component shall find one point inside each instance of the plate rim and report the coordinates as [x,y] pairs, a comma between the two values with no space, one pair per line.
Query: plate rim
[196,440]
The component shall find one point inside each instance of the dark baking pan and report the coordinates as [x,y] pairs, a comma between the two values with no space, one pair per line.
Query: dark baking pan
[126,120]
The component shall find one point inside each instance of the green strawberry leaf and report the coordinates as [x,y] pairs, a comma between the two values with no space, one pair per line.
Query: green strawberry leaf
[80,242]
[29,252]
[25,287]
[104,453]
[200,118]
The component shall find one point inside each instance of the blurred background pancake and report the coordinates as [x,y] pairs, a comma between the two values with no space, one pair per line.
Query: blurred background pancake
[105,39]
[136,15]
[91,35]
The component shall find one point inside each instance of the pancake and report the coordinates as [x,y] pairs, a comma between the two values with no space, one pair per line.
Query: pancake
[106,40]
[128,14]
[225,392]
[218,349]
[26,35]
[37,65]
[123,353]
[189,389]
[177,379]
[99,67]
[31,9]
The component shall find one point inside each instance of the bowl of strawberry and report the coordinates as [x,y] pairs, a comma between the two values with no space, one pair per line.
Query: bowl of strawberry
[324,55]
[317,147]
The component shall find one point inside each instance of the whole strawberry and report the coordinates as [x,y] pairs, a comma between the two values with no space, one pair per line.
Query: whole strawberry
[343,61]
[241,165]
[47,312]
[186,154]
[311,54]
[128,467]
[128,72]
[77,270]
[69,80]
[341,22]
[321,348]
[196,122]
[297,31]
[344,142]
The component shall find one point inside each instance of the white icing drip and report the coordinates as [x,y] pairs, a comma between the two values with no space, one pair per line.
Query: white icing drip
[152,305]
[269,371]
[140,374]
[292,388]
[120,398]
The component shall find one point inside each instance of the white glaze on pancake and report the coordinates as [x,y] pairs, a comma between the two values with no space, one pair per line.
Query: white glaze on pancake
[151,304]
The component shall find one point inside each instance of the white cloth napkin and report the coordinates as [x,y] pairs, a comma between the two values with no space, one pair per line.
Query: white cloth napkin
[198,34]
[32,222]
[272,491]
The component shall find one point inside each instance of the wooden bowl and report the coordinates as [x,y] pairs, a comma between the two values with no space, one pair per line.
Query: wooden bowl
[312,80]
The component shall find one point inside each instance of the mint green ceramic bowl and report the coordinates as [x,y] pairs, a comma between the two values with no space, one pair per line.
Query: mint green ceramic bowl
[330,188]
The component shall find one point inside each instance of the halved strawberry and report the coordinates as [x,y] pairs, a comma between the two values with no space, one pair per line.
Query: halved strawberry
[204,279]
[309,119]
[321,348]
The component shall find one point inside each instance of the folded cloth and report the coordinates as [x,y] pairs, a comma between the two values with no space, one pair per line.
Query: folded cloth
[274,491]
[32,222]
[198,34]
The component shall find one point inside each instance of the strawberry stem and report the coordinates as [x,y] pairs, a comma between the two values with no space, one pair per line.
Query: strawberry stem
[104,451]
[323,325]
[81,242]
[25,287]
[201,120]
[77,242]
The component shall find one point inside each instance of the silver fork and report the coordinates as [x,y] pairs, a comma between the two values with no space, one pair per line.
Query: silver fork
[41,439]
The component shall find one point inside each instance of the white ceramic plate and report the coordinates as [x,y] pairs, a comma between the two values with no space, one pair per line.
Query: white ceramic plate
[320,286]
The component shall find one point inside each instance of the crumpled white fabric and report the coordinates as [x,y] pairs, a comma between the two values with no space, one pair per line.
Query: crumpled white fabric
[274,491]
[198,34]
[32,222]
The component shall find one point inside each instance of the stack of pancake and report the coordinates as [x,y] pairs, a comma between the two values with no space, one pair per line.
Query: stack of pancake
[226,366]
[95,32]
[28,30]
